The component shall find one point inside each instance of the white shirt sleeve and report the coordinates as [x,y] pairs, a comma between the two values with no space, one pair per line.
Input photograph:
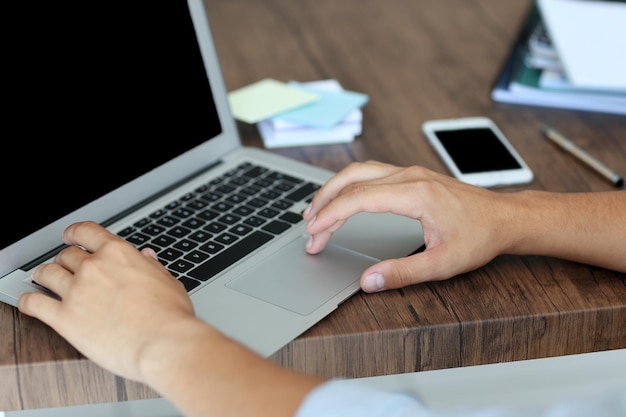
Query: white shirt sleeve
[336,398]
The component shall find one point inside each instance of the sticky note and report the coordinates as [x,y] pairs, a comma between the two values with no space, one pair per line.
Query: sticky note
[278,133]
[267,98]
[330,109]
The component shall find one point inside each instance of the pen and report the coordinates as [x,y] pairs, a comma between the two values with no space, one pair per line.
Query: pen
[579,153]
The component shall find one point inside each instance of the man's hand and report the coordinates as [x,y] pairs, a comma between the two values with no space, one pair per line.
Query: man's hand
[460,221]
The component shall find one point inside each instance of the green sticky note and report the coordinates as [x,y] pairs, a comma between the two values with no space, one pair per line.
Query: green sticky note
[266,98]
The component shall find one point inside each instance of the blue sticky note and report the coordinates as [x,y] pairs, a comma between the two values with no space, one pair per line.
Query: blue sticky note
[329,110]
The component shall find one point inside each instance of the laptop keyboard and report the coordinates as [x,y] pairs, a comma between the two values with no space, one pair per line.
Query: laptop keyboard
[204,232]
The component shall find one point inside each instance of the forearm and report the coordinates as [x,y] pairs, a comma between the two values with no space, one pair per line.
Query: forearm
[582,227]
[204,373]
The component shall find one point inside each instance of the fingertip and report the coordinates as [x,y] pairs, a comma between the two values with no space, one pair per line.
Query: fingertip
[373,282]
[309,243]
[23,302]
[316,243]
[30,303]
[391,274]
[149,252]
[310,246]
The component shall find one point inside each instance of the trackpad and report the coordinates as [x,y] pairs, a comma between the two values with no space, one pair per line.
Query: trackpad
[292,279]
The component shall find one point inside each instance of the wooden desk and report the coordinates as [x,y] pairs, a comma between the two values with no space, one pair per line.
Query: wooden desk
[417,60]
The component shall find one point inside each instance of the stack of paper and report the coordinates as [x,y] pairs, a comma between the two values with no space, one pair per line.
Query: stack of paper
[300,114]
[570,54]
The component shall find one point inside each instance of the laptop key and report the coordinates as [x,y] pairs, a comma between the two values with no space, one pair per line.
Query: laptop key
[196,256]
[280,176]
[185,245]
[180,265]
[254,221]
[125,232]
[214,227]
[302,192]
[223,260]
[138,239]
[163,240]
[168,221]
[276,227]
[212,247]
[170,254]
[290,217]
[178,231]
[189,283]
[226,238]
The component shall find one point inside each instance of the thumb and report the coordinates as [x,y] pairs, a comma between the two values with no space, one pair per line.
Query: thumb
[389,274]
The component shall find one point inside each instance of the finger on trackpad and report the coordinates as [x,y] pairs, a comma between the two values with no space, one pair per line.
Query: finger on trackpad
[292,279]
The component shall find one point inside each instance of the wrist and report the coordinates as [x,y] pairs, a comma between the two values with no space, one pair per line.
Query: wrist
[165,356]
[203,372]
[529,221]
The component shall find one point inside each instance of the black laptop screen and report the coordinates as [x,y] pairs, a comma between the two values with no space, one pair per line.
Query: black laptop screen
[97,94]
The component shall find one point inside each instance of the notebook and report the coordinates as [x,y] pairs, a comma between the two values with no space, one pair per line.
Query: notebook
[119,114]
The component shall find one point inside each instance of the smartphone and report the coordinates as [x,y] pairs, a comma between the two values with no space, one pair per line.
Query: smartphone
[477,152]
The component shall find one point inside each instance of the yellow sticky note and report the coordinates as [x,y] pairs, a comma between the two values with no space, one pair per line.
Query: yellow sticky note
[266,98]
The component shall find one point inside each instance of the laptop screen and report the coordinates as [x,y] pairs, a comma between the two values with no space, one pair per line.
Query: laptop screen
[97,93]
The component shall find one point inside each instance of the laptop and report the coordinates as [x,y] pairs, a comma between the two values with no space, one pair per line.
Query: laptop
[120,115]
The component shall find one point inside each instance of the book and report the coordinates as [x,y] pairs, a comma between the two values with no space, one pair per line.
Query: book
[521,82]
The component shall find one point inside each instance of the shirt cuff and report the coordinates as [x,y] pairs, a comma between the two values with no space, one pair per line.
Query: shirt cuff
[347,398]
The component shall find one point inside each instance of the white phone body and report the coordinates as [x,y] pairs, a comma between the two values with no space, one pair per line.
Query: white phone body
[477,152]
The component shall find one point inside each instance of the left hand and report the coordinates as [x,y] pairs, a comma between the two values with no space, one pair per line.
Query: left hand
[115,300]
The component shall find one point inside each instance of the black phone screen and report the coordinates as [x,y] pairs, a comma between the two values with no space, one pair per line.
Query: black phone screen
[477,150]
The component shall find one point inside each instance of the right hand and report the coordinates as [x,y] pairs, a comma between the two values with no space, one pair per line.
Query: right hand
[463,225]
